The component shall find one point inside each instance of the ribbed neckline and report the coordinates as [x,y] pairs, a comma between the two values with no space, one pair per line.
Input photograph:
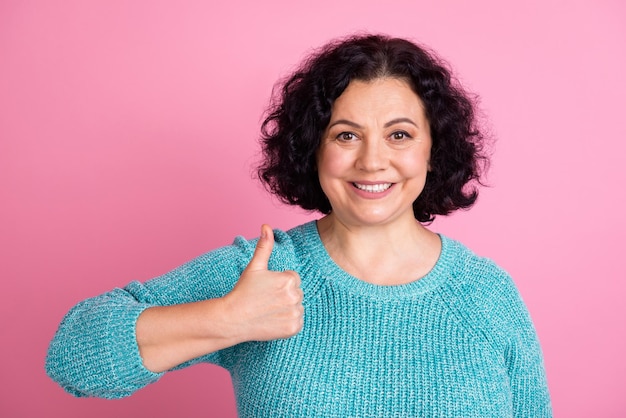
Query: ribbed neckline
[322,262]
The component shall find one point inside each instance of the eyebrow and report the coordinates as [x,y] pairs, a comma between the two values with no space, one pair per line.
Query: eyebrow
[357,126]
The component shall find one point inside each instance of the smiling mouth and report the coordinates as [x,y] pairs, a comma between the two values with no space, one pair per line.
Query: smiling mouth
[373,188]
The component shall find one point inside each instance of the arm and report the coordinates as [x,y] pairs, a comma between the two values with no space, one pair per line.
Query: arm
[501,310]
[113,344]
[264,305]
[524,360]
[485,297]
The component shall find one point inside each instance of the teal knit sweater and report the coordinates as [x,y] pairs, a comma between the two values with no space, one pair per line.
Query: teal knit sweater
[457,343]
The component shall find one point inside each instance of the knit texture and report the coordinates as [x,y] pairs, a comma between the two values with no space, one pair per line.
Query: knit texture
[459,342]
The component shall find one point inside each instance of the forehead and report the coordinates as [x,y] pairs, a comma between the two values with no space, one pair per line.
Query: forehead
[381,97]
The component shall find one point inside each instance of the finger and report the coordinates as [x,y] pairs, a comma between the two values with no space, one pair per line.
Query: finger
[263,250]
[296,278]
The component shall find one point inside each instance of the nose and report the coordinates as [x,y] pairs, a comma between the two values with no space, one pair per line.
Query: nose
[372,155]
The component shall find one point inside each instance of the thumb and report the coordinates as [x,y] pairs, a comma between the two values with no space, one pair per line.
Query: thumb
[263,250]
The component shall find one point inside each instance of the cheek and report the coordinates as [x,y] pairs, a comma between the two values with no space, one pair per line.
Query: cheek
[332,163]
[416,164]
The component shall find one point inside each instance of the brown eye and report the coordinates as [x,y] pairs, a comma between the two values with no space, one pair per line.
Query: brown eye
[346,136]
[400,135]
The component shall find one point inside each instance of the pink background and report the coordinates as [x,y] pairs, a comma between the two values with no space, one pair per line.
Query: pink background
[128,134]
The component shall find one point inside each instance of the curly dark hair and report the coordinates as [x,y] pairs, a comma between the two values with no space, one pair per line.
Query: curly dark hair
[300,112]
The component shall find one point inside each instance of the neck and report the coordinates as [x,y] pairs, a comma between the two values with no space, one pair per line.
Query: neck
[382,254]
[364,237]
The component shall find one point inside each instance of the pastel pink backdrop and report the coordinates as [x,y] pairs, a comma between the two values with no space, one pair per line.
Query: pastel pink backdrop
[128,134]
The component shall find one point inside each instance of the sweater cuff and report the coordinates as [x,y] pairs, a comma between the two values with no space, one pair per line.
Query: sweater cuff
[126,363]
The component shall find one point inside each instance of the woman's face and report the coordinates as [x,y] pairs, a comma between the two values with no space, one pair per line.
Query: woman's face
[374,154]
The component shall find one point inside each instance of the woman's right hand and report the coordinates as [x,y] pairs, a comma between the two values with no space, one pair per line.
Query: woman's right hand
[264,305]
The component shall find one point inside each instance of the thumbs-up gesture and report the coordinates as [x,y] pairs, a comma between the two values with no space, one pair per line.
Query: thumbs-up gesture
[265,305]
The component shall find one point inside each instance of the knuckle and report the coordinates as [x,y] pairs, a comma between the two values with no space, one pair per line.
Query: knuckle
[296,313]
[294,298]
[293,328]
[293,276]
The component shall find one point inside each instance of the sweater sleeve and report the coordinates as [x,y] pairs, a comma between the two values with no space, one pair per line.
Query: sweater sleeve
[522,355]
[500,315]
[94,351]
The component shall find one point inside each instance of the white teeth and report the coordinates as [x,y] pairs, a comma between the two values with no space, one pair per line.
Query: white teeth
[373,188]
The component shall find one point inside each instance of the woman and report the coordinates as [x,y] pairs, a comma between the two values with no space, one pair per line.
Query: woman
[365,312]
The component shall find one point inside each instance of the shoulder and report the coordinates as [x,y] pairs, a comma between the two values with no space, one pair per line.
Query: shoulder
[290,246]
[214,273]
[286,245]
[474,274]
[483,294]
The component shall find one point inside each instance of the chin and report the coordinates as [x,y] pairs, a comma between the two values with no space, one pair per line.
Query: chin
[375,219]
